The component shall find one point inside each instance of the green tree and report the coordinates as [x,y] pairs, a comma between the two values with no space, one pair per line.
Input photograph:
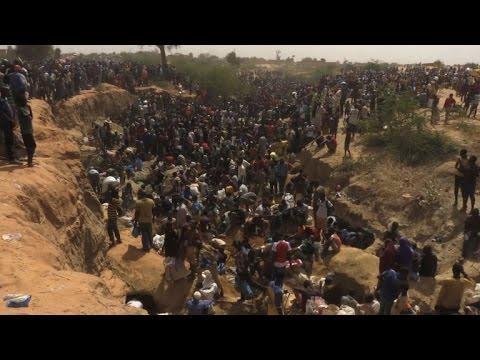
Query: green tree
[34,52]
[232,59]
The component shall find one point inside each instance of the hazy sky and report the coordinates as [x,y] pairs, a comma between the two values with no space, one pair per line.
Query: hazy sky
[450,54]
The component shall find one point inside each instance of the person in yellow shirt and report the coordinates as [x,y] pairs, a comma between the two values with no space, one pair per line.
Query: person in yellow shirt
[450,296]
[144,218]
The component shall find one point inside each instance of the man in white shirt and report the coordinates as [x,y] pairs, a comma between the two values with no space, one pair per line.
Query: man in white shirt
[353,120]
[322,213]
[242,170]
[243,189]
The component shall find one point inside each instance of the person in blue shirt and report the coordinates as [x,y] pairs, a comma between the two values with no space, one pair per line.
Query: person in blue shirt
[196,306]
[138,164]
[389,290]
[275,297]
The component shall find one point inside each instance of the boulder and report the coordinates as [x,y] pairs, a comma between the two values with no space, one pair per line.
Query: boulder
[356,269]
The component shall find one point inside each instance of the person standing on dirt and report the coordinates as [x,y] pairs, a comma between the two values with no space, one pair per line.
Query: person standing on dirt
[428,263]
[435,111]
[348,139]
[388,257]
[469,182]
[450,297]
[474,105]
[170,246]
[25,118]
[301,185]
[275,297]
[18,84]
[144,218]
[280,251]
[448,106]
[471,234]
[282,173]
[114,210]
[353,120]
[7,124]
[389,288]
[321,213]
[190,238]
[460,166]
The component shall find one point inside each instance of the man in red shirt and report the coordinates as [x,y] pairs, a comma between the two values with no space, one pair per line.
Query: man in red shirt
[280,260]
[448,106]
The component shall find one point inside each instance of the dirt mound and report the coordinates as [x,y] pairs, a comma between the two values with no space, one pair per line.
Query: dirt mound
[316,166]
[62,247]
[355,269]
[164,88]
[82,110]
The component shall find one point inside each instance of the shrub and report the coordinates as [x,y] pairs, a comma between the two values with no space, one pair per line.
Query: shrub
[400,128]
[214,75]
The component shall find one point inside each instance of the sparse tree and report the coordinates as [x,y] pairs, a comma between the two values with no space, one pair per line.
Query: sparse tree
[34,52]
[323,60]
[232,59]
[471,65]
[277,55]
[57,53]
[438,63]
[163,54]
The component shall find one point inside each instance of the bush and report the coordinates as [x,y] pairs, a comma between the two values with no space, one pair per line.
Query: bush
[350,166]
[425,146]
[214,75]
[413,147]
[400,128]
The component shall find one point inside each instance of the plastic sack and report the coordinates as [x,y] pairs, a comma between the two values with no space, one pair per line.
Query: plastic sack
[136,231]
[11,237]
[346,310]
[18,301]
[135,303]
[158,241]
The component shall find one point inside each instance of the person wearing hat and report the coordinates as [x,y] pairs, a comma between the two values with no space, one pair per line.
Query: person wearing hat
[197,306]
[450,297]
[94,178]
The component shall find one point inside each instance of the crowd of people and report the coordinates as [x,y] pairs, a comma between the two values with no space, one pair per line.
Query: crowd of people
[219,164]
